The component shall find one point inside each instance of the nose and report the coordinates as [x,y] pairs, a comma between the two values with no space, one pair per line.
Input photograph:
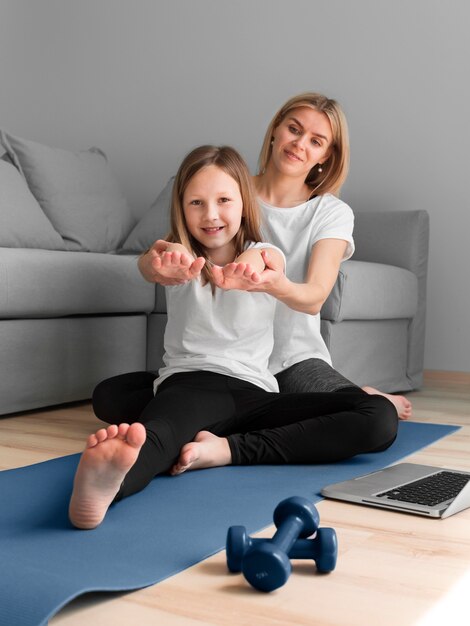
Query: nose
[301,141]
[212,211]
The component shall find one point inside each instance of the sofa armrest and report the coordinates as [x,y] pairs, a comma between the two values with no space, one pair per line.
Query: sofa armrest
[399,238]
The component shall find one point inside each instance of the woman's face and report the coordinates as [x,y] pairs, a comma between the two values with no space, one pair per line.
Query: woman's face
[301,141]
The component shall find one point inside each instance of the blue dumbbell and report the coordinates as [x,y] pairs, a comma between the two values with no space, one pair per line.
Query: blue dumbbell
[266,564]
[323,548]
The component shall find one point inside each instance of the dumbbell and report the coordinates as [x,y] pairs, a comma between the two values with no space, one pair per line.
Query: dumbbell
[323,548]
[266,564]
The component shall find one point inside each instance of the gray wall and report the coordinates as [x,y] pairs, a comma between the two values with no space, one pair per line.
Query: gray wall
[147,80]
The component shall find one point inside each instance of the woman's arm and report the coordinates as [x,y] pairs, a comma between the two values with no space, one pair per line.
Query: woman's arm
[169,264]
[307,297]
[322,273]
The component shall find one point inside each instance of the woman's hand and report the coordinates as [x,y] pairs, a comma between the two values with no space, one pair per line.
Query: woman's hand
[169,264]
[272,278]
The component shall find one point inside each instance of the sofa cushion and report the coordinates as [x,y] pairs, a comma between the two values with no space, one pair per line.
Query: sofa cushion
[76,190]
[154,224]
[45,283]
[371,291]
[22,221]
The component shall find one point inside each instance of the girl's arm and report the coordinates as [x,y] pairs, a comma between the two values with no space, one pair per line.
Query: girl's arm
[246,270]
[169,264]
[307,297]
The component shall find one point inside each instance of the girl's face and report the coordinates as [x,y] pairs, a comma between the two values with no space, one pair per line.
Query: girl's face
[301,141]
[213,207]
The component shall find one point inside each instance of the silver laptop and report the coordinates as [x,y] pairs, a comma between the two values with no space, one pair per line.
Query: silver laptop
[409,488]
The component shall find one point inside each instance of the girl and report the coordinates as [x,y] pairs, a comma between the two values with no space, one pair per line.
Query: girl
[216,393]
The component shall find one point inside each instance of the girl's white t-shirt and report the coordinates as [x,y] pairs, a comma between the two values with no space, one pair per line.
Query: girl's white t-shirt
[295,231]
[230,332]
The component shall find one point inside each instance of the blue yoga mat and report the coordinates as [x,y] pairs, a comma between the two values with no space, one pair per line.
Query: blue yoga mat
[173,524]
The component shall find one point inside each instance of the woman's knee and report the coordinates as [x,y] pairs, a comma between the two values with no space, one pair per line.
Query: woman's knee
[313,376]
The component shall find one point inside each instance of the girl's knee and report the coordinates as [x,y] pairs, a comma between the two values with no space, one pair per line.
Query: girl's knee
[105,400]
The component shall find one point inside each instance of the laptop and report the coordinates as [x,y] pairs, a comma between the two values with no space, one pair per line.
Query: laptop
[408,488]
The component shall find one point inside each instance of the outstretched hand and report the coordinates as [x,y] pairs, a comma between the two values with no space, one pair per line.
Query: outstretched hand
[242,276]
[235,276]
[169,267]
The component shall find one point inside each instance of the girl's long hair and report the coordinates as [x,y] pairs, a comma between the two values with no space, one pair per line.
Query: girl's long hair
[335,168]
[230,161]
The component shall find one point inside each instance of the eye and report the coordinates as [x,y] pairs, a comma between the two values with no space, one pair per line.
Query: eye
[315,142]
[294,130]
[196,202]
[224,199]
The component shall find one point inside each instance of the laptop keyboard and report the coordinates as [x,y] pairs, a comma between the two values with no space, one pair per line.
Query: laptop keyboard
[431,490]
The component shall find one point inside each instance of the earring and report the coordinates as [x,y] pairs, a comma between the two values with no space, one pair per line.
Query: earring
[320,169]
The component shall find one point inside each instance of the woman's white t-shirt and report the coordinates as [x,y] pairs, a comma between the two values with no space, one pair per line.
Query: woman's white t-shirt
[295,231]
[228,332]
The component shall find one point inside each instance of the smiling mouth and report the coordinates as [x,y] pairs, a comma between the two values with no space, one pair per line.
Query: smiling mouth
[213,229]
[292,156]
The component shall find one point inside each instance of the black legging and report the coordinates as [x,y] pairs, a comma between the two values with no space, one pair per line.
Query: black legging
[261,427]
[123,398]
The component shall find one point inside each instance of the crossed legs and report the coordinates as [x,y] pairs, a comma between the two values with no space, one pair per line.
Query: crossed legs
[203,419]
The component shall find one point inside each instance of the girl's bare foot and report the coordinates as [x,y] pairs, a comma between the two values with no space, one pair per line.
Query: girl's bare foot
[207,450]
[108,456]
[401,403]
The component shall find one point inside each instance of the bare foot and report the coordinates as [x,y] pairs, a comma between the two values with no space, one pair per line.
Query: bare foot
[207,450]
[401,403]
[108,456]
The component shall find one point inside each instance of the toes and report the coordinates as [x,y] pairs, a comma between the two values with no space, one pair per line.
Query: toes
[187,457]
[92,441]
[121,431]
[112,431]
[136,435]
[101,435]
[177,469]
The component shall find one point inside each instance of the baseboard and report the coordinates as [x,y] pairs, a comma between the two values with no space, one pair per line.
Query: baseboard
[447,377]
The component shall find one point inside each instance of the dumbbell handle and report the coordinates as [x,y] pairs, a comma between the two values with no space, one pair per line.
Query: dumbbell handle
[303,549]
[287,533]
[324,553]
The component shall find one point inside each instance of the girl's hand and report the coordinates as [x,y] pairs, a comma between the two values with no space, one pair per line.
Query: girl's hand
[169,264]
[235,276]
[271,280]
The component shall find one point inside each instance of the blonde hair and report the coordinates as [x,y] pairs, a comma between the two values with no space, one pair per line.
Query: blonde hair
[335,168]
[230,161]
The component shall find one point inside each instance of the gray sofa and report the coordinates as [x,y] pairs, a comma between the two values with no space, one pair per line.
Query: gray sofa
[74,308]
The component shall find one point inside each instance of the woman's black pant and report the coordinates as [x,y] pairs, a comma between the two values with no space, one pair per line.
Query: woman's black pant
[261,427]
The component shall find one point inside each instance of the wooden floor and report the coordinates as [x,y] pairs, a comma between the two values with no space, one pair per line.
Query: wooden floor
[393,569]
